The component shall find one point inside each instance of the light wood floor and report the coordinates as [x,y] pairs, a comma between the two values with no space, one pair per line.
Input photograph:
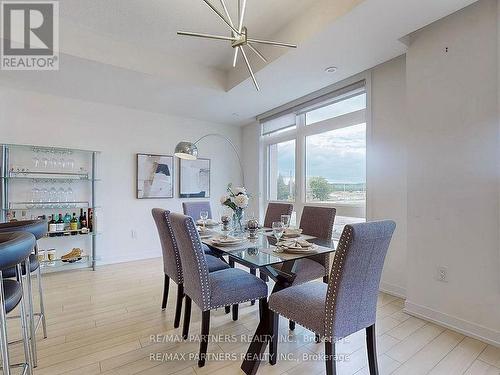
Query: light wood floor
[102,322]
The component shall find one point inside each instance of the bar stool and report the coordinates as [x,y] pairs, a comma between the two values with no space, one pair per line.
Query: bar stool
[37,228]
[15,249]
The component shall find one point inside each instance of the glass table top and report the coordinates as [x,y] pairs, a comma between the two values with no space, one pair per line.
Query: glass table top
[261,252]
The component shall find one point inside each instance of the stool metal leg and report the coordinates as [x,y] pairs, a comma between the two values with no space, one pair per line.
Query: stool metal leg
[24,323]
[4,343]
[42,306]
[31,318]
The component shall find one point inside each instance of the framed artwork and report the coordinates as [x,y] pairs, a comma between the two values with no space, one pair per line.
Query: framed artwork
[194,178]
[155,176]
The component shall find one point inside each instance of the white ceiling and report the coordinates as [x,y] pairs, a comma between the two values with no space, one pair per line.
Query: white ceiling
[153,23]
[126,52]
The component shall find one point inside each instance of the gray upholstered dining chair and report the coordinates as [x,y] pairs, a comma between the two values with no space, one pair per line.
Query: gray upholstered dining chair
[349,302]
[317,222]
[172,266]
[193,209]
[210,290]
[274,212]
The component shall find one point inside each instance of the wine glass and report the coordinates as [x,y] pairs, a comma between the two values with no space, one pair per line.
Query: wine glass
[285,219]
[204,217]
[278,229]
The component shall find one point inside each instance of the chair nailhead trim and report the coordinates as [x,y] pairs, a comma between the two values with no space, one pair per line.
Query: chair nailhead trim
[178,264]
[201,262]
[238,302]
[336,275]
[299,323]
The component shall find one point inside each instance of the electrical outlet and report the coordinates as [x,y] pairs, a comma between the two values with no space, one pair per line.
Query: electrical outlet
[133,234]
[442,274]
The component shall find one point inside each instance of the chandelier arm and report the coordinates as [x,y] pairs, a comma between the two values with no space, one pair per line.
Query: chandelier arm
[249,68]
[221,16]
[235,57]
[227,13]
[250,45]
[208,36]
[241,14]
[272,43]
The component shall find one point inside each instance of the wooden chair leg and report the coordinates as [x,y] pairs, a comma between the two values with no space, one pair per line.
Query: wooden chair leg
[253,271]
[291,325]
[235,312]
[178,306]
[166,284]
[274,320]
[331,368]
[187,318]
[371,344]
[205,329]
[227,309]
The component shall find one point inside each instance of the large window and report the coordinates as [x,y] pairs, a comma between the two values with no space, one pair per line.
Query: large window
[336,166]
[281,171]
[323,143]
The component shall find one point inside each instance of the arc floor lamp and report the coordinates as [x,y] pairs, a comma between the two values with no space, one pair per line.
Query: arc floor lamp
[189,151]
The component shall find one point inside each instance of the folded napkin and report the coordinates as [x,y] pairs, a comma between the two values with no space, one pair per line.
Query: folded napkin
[298,244]
[227,239]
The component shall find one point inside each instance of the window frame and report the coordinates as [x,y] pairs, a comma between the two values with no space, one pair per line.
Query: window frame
[299,134]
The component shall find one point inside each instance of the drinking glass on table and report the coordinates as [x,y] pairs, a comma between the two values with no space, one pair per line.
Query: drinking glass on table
[278,230]
[204,217]
[285,219]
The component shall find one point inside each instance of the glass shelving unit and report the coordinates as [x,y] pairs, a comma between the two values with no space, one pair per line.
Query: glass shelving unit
[37,182]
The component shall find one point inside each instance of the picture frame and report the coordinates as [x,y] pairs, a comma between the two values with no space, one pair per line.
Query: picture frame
[194,178]
[154,176]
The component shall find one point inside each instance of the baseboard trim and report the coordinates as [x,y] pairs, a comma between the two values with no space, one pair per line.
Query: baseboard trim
[393,290]
[142,256]
[465,327]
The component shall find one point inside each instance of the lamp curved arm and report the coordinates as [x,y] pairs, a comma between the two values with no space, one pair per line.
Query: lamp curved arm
[232,145]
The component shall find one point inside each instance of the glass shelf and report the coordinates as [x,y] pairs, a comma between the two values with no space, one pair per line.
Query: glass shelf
[67,234]
[59,265]
[46,175]
[28,206]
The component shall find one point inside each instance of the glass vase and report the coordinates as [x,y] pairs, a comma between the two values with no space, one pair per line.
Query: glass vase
[238,227]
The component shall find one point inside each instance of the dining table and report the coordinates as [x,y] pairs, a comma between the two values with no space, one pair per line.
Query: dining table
[262,253]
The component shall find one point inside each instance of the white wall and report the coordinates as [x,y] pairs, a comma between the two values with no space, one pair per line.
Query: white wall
[252,164]
[453,189]
[386,165]
[120,133]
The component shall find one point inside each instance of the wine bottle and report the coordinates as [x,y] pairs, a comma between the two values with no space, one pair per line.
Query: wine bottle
[84,220]
[90,220]
[74,225]
[80,219]
[67,223]
[52,226]
[60,225]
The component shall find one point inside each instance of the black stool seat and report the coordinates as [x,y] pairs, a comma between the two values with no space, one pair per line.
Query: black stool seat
[13,294]
[37,228]
[11,272]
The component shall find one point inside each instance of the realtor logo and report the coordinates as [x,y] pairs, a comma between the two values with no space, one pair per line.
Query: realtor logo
[29,35]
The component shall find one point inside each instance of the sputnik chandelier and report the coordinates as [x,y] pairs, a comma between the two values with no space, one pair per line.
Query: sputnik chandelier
[239,36]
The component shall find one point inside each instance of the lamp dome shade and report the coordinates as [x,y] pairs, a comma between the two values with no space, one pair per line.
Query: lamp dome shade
[186,150]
